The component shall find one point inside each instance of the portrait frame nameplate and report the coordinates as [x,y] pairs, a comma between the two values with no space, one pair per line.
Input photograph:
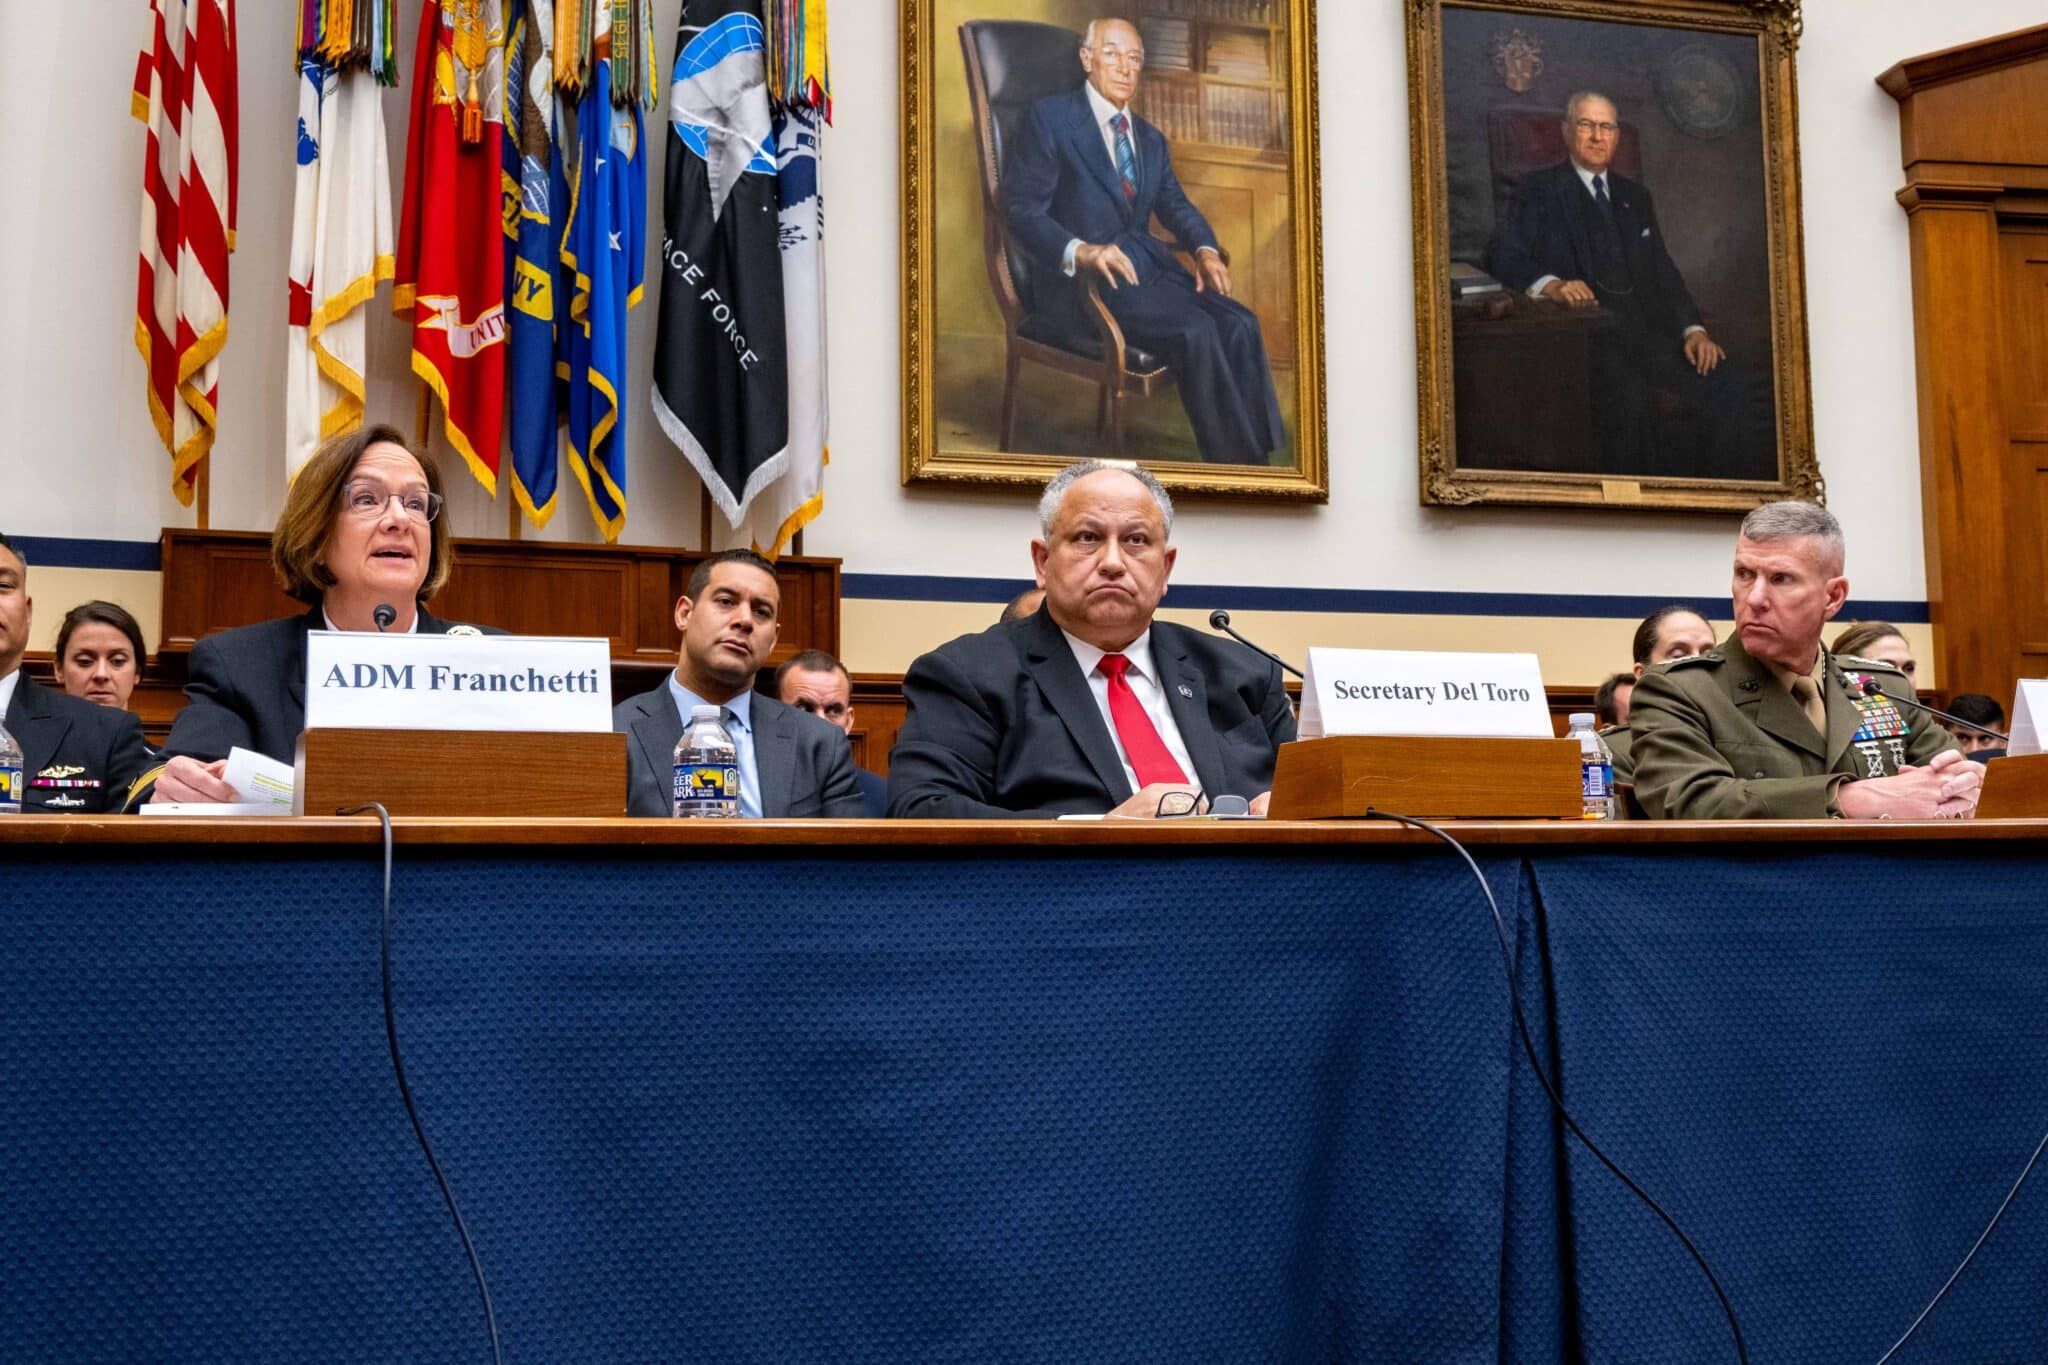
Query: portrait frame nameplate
[1010,370]
[1639,350]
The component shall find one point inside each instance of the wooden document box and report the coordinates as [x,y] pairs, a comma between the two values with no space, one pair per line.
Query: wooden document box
[462,772]
[1430,778]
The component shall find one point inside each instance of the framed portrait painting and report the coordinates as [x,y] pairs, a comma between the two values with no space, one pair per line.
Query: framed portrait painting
[1609,298]
[1111,237]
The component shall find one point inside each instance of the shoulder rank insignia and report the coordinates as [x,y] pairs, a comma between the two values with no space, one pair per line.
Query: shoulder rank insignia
[1690,660]
[1859,662]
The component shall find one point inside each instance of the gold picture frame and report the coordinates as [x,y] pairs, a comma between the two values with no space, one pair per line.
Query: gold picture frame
[1231,85]
[1536,401]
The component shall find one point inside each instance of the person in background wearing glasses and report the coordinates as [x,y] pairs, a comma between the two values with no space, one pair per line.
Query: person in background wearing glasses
[1090,706]
[1580,235]
[361,528]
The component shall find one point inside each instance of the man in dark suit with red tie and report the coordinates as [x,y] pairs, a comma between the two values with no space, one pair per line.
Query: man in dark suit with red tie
[1089,705]
[1579,234]
[1080,190]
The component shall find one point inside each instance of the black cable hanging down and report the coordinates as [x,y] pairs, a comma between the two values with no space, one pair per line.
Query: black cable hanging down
[1507,963]
[419,1131]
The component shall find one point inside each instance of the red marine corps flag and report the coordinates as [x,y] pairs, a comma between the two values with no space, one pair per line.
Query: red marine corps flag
[185,95]
[451,242]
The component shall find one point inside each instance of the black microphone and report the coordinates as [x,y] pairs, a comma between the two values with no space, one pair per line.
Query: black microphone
[1936,712]
[1219,619]
[384,615]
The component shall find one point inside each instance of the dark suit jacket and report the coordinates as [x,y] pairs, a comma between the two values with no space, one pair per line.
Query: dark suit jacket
[246,688]
[874,792]
[56,732]
[1059,183]
[1543,232]
[1002,724]
[805,766]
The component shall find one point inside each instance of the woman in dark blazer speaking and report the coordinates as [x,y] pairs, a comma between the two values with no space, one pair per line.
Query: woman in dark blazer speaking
[361,530]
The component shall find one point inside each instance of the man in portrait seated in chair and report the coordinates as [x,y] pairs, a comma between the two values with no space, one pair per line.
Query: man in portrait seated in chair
[1580,235]
[1080,191]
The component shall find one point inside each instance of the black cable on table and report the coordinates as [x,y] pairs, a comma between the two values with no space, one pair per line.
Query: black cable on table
[1507,963]
[419,1131]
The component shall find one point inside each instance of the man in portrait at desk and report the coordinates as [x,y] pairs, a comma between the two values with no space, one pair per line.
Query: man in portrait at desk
[1580,235]
[791,764]
[78,758]
[1080,190]
[1089,705]
[1768,725]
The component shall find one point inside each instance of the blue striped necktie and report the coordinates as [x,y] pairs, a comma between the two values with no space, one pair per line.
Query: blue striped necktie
[1126,156]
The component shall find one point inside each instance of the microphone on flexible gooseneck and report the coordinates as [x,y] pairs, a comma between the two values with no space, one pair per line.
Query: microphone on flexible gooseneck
[1872,689]
[1219,619]
[384,615]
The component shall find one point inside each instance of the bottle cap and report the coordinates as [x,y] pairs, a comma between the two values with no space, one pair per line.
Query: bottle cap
[698,713]
[1579,718]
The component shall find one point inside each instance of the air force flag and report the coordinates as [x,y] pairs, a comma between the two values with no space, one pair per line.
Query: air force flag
[721,380]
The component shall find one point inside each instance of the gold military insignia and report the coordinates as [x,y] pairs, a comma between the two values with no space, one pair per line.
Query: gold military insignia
[59,770]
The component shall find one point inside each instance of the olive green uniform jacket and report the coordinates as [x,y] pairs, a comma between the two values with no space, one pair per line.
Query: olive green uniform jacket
[1621,744]
[1717,737]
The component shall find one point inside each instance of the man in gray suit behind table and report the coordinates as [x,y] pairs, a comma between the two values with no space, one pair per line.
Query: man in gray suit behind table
[1089,705]
[791,765]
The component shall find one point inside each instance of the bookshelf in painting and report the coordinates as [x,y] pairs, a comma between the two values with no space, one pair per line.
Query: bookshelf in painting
[1216,84]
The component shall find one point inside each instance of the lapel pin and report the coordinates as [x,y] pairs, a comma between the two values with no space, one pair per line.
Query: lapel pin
[1186,691]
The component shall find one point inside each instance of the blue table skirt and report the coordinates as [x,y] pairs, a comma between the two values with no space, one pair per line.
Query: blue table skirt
[1017,1105]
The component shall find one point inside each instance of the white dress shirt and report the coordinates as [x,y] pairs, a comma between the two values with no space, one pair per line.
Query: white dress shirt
[1587,178]
[1144,680]
[7,685]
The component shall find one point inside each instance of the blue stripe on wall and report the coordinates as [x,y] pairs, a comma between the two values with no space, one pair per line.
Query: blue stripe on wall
[1382,601]
[63,552]
[67,553]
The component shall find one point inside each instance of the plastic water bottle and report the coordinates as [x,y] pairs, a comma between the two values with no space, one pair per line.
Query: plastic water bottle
[1596,767]
[10,774]
[707,768]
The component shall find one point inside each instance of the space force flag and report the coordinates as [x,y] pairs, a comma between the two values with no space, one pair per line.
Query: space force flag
[536,210]
[787,505]
[721,378]
[606,250]
[185,94]
[341,248]
[451,253]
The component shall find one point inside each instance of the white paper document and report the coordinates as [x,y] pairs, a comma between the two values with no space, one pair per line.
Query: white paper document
[264,784]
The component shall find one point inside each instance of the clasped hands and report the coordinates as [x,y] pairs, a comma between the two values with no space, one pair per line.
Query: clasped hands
[1108,261]
[1946,788]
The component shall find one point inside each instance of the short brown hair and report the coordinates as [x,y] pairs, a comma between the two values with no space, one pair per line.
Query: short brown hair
[700,577]
[314,501]
[810,661]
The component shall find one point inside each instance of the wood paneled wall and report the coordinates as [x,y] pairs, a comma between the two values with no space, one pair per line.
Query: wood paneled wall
[1973,134]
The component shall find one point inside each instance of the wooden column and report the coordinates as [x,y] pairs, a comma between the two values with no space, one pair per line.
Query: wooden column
[1973,132]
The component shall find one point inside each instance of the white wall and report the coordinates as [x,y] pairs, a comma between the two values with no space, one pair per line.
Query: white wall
[83,460]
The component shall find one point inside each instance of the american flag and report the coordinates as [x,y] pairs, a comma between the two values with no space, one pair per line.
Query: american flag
[185,96]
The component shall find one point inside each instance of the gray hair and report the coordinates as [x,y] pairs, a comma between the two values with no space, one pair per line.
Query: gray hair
[1056,491]
[1088,37]
[1787,520]
[1579,97]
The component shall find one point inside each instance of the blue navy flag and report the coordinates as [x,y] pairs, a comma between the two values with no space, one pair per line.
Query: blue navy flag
[721,373]
[605,247]
[536,211]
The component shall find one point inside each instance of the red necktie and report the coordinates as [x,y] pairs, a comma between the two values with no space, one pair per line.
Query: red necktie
[1150,759]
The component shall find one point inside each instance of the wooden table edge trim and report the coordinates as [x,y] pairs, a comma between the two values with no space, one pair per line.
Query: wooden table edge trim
[838,836]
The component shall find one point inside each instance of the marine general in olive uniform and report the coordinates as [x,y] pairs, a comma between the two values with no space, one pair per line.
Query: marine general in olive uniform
[1768,725]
